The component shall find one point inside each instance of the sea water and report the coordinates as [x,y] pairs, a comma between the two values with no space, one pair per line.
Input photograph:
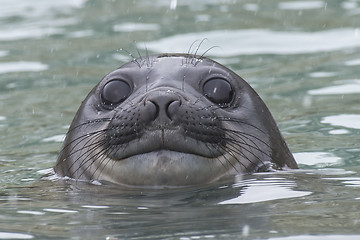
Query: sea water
[302,57]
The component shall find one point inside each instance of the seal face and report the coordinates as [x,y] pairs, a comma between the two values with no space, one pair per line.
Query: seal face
[171,120]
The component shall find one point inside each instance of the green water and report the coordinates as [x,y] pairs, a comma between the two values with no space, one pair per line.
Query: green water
[302,57]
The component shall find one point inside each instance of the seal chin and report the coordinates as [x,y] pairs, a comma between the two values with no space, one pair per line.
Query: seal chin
[163,168]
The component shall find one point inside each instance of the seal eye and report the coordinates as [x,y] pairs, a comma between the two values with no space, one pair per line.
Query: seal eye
[115,92]
[218,91]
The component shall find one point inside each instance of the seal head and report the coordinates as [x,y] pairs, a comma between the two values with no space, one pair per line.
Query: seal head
[171,120]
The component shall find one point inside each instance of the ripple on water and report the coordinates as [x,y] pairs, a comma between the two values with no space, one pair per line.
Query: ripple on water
[56,138]
[22,66]
[353,62]
[318,237]
[348,181]
[322,74]
[39,18]
[95,206]
[57,210]
[10,235]
[316,158]
[133,27]
[344,120]
[28,32]
[254,191]
[251,7]
[259,41]
[81,34]
[301,5]
[348,87]
[35,8]
[31,212]
[3,53]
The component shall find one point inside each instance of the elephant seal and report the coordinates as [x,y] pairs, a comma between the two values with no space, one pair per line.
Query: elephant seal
[171,120]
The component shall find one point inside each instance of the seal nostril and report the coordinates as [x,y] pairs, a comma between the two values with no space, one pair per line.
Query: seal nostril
[154,113]
[173,108]
[164,106]
[150,112]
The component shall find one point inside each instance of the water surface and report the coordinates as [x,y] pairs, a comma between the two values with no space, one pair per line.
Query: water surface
[302,57]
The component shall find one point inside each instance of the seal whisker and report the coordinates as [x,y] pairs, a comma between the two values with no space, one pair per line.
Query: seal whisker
[138,52]
[97,157]
[240,121]
[188,55]
[98,120]
[194,58]
[239,155]
[79,140]
[90,145]
[134,59]
[242,148]
[233,153]
[212,149]
[244,143]
[102,156]
[251,146]
[147,83]
[202,55]
[116,151]
[247,135]
[96,145]
[148,62]
[227,161]
[241,135]
[226,150]
[220,148]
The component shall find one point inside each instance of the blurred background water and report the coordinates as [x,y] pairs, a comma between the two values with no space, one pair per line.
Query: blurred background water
[302,57]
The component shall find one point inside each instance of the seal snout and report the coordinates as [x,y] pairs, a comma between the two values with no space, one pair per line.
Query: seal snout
[162,106]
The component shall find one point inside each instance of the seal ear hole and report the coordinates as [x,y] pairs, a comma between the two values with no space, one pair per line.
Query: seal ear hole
[115,92]
[219,91]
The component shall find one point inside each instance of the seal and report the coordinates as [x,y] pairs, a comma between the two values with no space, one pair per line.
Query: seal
[171,120]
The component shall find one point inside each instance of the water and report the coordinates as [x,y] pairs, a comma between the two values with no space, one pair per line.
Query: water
[302,57]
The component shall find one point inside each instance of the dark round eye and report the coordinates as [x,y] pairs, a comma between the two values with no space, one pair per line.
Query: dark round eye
[218,91]
[115,92]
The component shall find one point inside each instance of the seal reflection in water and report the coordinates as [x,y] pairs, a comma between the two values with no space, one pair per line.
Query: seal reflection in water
[171,120]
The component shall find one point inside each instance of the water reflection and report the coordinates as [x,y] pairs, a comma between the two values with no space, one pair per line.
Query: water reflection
[39,19]
[265,190]
[353,62]
[320,237]
[301,56]
[348,87]
[316,158]
[260,41]
[255,204]
[22,66]
[131,27]
[9,235]
[301,5]
[344,120]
